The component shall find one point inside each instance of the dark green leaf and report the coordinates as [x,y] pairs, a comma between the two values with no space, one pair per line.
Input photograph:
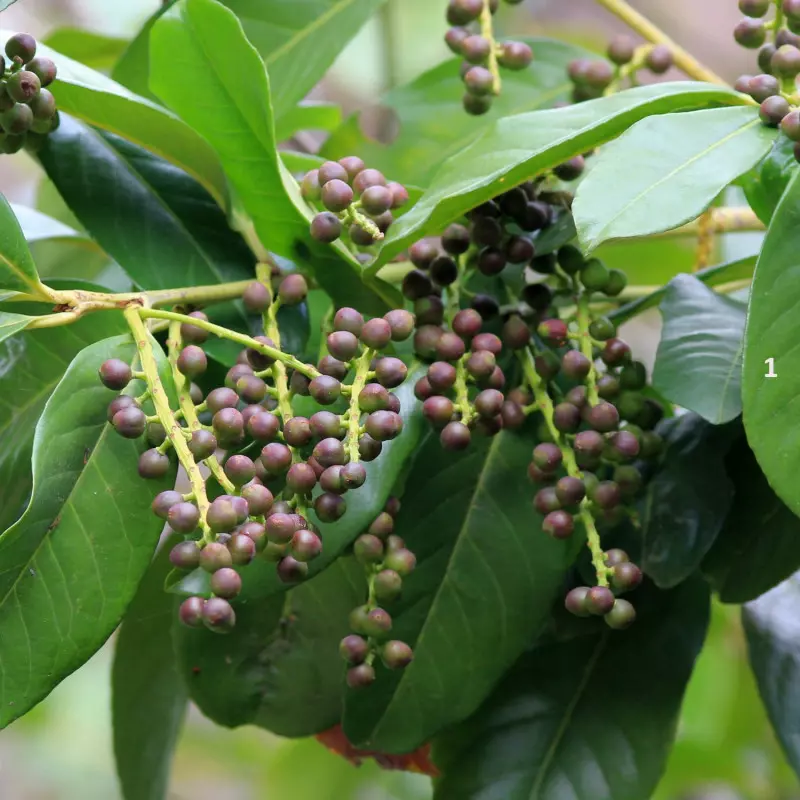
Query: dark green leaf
[17,270]
[157,222]
[741,269]
[663,157]
[208,94]
[71,564]
[759,544]
[362,505]
[699,360]
[764,185]
[685,505]
[515,148]
[297,42]
[96,50]
[427,138]
[485,580]
[31,365]
[772,627]
[589,719]
[281,673]
[770,417]
[99,101]
[149,697]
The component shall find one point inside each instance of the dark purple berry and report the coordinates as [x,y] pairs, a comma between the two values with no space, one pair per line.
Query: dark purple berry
[115,374]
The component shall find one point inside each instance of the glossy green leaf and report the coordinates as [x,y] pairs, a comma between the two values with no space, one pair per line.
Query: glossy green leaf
[592,718]
[103,103]
[686,503]
[281,673]
[308,117]
[759,544]
[741,269]
[764,185]
[699,359]
[426,138]
[17,270]
[675,165]
[157,222]
[12,323]
[517,147]
[72,563]
[96,50]
[770,404]
[772,627]
[237,120]
[149,697]
[297,42]
[362,505]
[485,580]
[31,365]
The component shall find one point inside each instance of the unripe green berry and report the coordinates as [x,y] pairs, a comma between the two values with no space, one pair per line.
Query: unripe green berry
[396,654]
[621,616]
[388,586]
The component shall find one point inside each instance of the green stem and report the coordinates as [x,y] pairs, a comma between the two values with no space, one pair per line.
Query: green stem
[487,31]
[353,215]
[545,405]
[240,338]
[584,319]
[354,412]
[188,410]
[133,316]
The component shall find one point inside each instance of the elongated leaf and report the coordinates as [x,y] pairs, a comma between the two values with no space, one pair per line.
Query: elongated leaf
[12,323]
[283,673]
[362,505]
[518,147]
[425,139]
[96,50]
[237,120]
[685,505]
[772,627]
[71,564]
[675,165]
[765,184]
[485,580]
[699,360]
[158,223]
[297,42]
[103,103]
[149,697]
[741,269]
[31,365]
[759,544]
[17,270]
[556,727]
[771,417]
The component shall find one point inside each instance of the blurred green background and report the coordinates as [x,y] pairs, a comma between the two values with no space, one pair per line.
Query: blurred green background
[725,749]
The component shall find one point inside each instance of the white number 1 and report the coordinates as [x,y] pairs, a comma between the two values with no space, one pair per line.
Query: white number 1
[770,362]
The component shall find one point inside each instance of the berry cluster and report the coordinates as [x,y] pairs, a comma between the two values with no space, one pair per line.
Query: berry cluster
[387,561]
[358,201]
[482,55]
[264,508]
[592,77]
[775,86]
[27,109]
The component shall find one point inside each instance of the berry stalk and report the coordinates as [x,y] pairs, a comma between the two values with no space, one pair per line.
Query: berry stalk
[275,353]
[584,320]
[354,410]
[647,30]
[487,31]
[133,316]
[545,405]
[187,407]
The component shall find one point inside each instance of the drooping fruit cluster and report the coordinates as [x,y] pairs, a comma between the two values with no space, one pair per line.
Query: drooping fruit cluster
[265,506]
[358,201]
[27,108]
[387,561]
[591,78]
[599,429]
[774,87]
[483,56]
